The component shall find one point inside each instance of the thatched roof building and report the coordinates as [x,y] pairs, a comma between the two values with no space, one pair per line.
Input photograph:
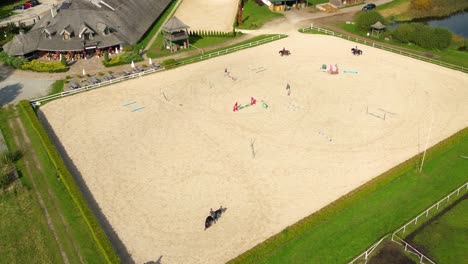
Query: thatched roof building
[86,24]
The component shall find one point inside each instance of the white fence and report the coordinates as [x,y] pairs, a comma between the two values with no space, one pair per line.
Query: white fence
[395,238]
[435,206]
[366,253]
[229,50]
[39,101]
[387,48]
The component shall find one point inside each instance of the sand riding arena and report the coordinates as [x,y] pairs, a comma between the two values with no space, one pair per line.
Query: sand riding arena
[158,152]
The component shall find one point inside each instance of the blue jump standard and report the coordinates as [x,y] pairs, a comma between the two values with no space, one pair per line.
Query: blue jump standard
[137,109]
[125,105]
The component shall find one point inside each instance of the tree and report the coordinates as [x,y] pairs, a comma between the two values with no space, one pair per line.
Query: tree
[106,56]
[365,19]
[63,60]
[421,4]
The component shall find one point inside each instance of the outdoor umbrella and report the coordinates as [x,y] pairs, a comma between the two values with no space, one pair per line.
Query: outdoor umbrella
[133,64]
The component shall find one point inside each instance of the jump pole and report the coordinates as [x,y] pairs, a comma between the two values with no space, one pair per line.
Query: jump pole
[427,142]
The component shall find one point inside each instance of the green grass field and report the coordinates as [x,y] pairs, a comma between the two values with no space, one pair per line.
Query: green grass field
[158,51]
[57,87]
[26,236]
[6,7]
[444,238]
[345,228]
[254,16]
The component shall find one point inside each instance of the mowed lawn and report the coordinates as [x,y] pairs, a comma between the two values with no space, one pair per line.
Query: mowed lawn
[344,229]
[444,239]
[254,16]
[25,234]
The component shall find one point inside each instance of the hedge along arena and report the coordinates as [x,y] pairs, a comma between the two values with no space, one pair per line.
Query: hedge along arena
[156,172]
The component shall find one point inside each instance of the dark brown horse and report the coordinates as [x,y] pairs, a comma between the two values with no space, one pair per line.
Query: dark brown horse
[356,51]
[214,216]
[284,52]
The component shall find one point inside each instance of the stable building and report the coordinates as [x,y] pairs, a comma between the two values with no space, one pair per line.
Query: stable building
[79,25]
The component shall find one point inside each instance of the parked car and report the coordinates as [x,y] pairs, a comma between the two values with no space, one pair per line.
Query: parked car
[33,2]
[18,7]
[74,85]
[368,7]
[27,5]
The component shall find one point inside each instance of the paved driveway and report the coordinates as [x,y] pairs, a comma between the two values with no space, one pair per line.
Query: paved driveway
[14,87]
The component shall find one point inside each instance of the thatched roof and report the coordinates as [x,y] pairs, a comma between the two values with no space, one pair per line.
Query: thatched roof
[378,25]
[111,22]
[174,24]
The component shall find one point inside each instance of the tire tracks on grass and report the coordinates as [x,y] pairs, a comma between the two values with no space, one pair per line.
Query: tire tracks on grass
[28,166]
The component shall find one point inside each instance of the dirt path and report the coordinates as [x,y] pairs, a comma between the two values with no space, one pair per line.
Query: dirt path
[32,163]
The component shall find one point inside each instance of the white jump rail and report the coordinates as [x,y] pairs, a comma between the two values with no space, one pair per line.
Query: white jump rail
[39,101]
[366,253]
[387,48]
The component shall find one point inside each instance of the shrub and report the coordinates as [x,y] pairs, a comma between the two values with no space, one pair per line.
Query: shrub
[15,62]
[169,63]
[63,60]
[124,58]
[423,36]
[421,4]
[43,66]
[69,183]
[364,20]
[106,56]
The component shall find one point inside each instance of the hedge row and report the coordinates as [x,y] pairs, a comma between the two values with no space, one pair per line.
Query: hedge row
[34,65]
[67,179]
[44,66]
[212,33]
[125,58]
[423,36]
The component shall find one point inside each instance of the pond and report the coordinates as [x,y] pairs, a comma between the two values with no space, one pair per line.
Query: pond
[457,23]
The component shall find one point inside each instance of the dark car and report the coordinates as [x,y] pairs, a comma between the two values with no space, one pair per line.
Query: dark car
[33,2]
[18,7]
[368,7]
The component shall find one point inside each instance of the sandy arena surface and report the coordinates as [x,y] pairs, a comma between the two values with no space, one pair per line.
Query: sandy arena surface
[157,172]
[217,15]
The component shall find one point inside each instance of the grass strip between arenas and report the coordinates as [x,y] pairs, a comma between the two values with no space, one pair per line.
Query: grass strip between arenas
[25,236]
[96,230]
[345,228]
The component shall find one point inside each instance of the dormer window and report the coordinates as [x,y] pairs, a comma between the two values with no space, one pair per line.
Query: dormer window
[48,33]
[67,33]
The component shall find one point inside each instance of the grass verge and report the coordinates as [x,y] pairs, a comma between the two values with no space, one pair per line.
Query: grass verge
[255,16]
[157,50]
[343,229]
[25,236]
[86,228]
[57,87]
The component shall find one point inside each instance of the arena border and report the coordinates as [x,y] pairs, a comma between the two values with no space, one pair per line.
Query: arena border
[97,232]
[289,233]
[327,32]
